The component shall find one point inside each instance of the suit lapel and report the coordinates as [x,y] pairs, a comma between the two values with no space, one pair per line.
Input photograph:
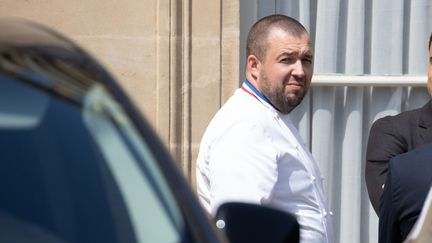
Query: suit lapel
[425,122]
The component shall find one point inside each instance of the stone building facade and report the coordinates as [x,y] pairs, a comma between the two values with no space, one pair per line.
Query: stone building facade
[177,59]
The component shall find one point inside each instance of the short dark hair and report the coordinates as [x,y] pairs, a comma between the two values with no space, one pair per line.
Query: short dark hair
[430,41]
[256,43]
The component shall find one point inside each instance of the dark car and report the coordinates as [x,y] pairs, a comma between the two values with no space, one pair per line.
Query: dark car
[79,164]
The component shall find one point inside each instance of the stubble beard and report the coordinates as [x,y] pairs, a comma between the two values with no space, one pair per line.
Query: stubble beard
[285,103]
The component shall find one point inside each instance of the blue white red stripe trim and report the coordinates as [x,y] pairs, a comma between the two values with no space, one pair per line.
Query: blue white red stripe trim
[251,90]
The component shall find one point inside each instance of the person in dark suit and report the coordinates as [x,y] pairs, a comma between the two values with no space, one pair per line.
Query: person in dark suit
[408,182]
[393,135]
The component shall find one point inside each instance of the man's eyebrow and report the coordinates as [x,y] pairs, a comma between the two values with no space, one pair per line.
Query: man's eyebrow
[293,53]
[308,55]
[287,53]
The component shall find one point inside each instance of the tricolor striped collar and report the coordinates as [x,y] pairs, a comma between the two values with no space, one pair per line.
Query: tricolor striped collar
[251,90]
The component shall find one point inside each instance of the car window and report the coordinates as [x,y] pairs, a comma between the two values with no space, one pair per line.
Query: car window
[78,172]
[123,151]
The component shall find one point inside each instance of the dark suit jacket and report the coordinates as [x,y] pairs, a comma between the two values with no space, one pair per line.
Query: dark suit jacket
[408,182]
[390,136]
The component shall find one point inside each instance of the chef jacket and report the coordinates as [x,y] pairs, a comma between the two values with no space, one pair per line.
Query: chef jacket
[252,153]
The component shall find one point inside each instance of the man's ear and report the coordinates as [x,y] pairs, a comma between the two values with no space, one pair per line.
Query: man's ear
[253,65]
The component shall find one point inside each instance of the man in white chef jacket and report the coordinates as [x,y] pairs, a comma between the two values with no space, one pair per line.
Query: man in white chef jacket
[251,152]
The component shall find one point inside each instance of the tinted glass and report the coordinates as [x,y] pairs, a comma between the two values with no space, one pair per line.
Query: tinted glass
[78,172]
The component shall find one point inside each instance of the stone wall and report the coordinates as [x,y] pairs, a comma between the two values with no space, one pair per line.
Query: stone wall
[178,60]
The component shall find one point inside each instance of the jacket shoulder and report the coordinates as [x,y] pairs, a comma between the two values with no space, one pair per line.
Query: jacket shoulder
[402,118]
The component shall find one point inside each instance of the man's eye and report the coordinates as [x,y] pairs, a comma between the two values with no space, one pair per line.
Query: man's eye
[287,60]
[307,60]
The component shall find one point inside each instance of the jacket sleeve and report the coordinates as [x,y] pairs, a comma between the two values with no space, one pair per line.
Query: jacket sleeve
[243,166]
[384,143]
[388,213]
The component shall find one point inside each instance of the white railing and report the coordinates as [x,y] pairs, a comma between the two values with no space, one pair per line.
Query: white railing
[369,80]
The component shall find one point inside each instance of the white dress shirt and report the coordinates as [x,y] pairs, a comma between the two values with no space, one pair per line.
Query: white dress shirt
[252,153]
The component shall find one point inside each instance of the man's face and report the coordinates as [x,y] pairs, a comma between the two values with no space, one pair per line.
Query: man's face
[430,71]
[286,70]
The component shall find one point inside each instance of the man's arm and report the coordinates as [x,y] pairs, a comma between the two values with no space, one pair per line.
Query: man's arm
[384,143]
[242,165]
[388,221]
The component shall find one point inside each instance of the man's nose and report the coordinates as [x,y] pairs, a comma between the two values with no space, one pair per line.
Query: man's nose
[298,69]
